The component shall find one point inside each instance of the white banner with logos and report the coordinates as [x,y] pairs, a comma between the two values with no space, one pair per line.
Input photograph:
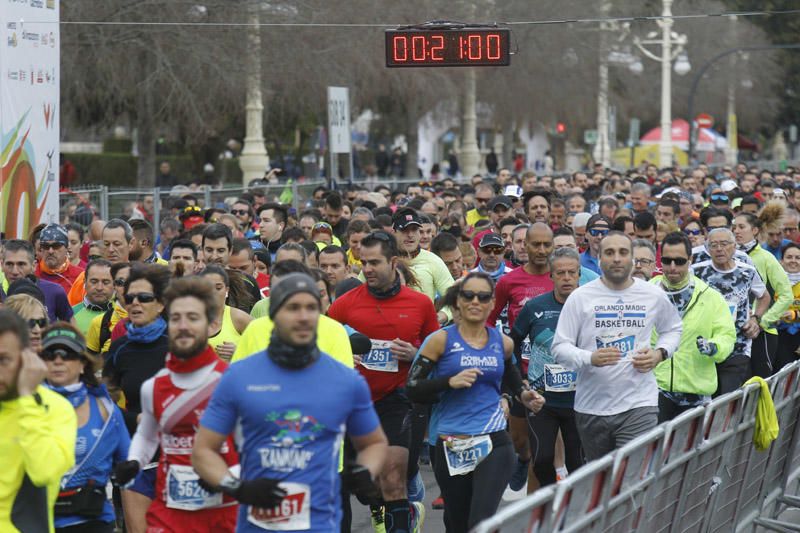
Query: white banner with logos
[29,114]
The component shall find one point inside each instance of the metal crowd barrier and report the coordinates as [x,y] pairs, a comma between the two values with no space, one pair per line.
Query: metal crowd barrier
[697,473]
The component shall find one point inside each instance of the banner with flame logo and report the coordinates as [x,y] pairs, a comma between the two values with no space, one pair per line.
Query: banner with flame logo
[29,114]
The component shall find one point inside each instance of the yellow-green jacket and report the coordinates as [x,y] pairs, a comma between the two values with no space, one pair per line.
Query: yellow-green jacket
[37,446]
[688,370]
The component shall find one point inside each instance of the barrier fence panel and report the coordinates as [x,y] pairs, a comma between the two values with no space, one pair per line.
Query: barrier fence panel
[741,475]
[533,514]
[635,468]
[578,504]
[719,427]
[681,438]
[697,473]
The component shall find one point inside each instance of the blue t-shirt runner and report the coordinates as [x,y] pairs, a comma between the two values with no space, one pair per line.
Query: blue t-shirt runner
[290,425]
[537,320]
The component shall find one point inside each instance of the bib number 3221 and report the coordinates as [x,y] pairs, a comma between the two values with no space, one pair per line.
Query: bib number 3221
[292,514]
[464,454]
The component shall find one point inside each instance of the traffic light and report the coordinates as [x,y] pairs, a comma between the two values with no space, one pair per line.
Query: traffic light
[561,128]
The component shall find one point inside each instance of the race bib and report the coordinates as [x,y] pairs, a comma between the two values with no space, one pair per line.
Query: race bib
[525,349]
[558,379]
[184,491]
[625,344]
[292,514]
[463,454]
[380,358]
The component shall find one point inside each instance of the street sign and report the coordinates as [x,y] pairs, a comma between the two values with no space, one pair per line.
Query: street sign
[704,120]
[338,120]
[633,132]
[589,136]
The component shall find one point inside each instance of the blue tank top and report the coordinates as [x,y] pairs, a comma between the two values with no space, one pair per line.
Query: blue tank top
[89,432]
[475,410]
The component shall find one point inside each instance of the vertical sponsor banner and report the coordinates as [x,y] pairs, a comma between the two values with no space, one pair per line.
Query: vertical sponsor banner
[29,112]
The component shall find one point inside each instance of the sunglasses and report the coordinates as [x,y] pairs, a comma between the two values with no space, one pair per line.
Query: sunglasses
[719,198]
[33,322]
[120,282]
[596,232]
[65,355]
[51,246]
[680,261]
[494,250]
[143,297]
[95,257]
[238,212]
[483,297]
[694,232]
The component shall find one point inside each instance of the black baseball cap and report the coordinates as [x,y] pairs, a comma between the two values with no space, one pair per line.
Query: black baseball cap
[491,240]
[405,218]
[500,200]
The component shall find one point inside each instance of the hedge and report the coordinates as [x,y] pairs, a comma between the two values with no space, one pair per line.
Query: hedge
[119,170]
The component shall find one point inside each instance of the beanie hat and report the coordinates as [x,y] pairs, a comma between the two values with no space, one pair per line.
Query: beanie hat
[287,287]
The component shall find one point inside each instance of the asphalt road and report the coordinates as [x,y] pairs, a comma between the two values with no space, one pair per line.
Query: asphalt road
[433,519]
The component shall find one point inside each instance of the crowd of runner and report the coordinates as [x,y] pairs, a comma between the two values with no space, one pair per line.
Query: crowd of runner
[250,367]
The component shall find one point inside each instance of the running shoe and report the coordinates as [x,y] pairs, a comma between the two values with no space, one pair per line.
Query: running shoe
[416,488]
[438,503]
[376,514]
[418,516]
[520,475]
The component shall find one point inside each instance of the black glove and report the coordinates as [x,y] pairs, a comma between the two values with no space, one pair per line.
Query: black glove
[206,486]
[263,493]
[358,480]
[124,472]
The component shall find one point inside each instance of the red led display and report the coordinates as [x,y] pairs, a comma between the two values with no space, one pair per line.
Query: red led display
[447,48]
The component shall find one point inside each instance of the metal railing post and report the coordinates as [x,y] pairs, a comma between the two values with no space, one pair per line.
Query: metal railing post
[104,202]
[156,210]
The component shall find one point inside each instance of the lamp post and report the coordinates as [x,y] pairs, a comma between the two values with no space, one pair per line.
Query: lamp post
[699,75]
[470,153]
[672,45]
[254,159]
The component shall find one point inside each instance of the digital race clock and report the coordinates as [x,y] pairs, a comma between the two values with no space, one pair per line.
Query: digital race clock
[448,47]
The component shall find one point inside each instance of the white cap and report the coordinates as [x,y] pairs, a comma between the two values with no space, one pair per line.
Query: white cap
[515,191]
[728,185]
[676,190]
[580,220]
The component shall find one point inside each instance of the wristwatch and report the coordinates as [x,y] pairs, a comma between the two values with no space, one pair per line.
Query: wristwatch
[664,354]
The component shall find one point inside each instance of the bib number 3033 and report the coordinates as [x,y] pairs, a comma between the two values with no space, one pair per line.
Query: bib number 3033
[558,379]
[184,491]
[292,514]
[464,454]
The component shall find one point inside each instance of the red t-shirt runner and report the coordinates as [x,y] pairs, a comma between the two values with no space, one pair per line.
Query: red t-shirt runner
[409,315]
[516,288]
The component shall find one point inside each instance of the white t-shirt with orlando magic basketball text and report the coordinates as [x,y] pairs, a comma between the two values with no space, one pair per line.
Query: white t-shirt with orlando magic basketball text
[595,316]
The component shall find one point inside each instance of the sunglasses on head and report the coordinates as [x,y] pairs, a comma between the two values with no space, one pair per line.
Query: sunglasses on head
[65,355]
[680,261]
[142,297]
[694,232]
[33,322]
[598,232]
[483,297]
